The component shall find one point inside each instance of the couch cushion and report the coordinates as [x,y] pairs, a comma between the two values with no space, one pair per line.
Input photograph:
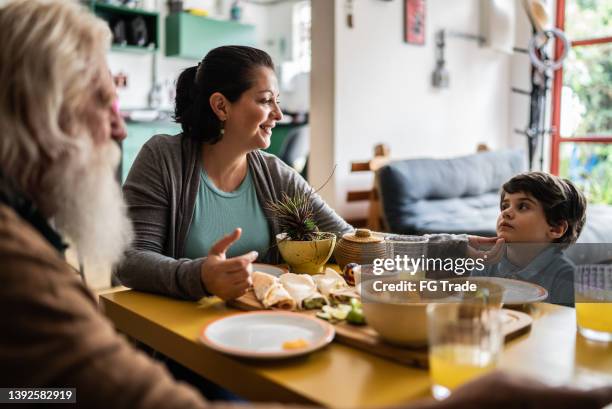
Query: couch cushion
[446,195]
[598,226]
[472,215]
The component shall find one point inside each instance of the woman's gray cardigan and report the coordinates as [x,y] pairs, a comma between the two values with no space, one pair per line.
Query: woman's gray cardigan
[160,192]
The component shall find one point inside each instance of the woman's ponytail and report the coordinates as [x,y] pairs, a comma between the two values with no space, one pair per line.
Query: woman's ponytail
[185,109]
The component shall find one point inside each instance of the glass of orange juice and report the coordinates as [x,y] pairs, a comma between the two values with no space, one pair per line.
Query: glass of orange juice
[465,341]
[593,296]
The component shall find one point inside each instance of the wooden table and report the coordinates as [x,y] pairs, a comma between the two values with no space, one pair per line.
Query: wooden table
[339,376]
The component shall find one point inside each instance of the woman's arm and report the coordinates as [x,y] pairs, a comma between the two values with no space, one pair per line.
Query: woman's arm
[148,191]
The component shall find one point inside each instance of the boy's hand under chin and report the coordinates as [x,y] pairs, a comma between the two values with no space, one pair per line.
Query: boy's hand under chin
[490,249]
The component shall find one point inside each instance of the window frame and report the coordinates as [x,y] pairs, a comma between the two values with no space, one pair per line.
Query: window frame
[557,138]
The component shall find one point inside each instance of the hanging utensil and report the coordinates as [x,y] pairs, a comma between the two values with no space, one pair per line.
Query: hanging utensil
[348,6]
[537,13]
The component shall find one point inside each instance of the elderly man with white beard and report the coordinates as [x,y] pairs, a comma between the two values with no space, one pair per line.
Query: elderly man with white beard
[58,157]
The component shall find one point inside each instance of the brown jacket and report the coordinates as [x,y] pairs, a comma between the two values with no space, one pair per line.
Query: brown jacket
[54,336]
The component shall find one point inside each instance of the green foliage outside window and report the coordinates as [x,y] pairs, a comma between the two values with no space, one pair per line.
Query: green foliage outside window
[588,73]
[590,167]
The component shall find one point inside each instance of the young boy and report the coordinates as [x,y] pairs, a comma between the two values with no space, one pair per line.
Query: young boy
[540,215]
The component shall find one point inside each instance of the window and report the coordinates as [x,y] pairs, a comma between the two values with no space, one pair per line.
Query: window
[582,99]
[301,35]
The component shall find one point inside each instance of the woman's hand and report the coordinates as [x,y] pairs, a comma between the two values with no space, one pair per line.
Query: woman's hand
[227,278]
[490,255]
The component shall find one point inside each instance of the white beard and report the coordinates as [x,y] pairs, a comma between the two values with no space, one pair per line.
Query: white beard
[91,211]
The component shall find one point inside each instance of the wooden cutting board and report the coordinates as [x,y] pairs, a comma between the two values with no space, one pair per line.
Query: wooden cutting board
[516,323]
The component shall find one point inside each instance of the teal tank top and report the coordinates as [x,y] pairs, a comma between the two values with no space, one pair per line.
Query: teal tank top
[218,213]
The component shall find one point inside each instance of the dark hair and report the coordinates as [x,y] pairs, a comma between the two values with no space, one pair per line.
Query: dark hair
[228,70]
[560,199]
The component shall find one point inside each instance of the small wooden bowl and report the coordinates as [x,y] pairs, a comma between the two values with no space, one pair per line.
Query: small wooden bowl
[361,247]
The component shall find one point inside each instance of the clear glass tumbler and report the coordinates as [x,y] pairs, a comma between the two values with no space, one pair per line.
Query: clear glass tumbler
[407,251]
[593,296]
[465,341]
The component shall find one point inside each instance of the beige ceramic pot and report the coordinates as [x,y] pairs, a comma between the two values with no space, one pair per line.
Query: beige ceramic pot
[306,257]
[361,247]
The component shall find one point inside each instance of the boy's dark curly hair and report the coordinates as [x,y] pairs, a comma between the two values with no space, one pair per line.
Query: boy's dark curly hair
[560,199]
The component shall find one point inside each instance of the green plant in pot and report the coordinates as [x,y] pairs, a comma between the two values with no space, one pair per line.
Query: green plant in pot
[301,244]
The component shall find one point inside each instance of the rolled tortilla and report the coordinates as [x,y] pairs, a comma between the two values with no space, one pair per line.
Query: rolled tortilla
[303,290]
[344,295]
[271,293]
[329,281]
[332,285]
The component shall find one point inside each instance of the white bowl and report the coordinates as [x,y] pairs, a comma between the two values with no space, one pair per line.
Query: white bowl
[401,323]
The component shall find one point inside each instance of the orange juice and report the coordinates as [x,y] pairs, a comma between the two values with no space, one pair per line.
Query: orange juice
[455,364]
[594,316]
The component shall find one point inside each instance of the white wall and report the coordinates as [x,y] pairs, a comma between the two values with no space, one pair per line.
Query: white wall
[323,99]
[382,91]
[277,30]
[520,77]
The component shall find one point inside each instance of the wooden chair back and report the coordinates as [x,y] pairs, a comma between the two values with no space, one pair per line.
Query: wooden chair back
[374,219]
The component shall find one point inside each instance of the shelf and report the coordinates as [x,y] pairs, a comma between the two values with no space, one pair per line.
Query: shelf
[135,49]
[190,36]
[98,6]
[114,15]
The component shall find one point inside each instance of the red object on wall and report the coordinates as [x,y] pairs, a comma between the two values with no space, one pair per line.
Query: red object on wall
[414,21]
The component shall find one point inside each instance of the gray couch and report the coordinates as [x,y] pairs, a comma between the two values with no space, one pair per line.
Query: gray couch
[461,195]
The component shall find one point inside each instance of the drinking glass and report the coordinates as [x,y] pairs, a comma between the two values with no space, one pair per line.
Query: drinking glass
[465,341]
[593,296]
[406,247]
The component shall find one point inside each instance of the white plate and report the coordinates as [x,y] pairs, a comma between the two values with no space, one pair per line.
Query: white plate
[268,268]
[517,292]
[261,334]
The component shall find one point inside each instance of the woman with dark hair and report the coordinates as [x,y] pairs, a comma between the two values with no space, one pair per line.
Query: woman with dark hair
[186,192]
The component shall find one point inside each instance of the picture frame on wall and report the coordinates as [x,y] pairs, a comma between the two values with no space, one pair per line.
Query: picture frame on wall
[414,22]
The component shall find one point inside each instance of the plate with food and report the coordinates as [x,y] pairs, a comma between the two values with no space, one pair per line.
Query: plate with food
[267,334]
[516,292]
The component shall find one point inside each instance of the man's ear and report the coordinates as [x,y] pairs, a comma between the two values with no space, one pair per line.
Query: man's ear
[555,232]
[220,105]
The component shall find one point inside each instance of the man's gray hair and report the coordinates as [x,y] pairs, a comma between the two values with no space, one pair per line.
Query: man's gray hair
[50,57]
